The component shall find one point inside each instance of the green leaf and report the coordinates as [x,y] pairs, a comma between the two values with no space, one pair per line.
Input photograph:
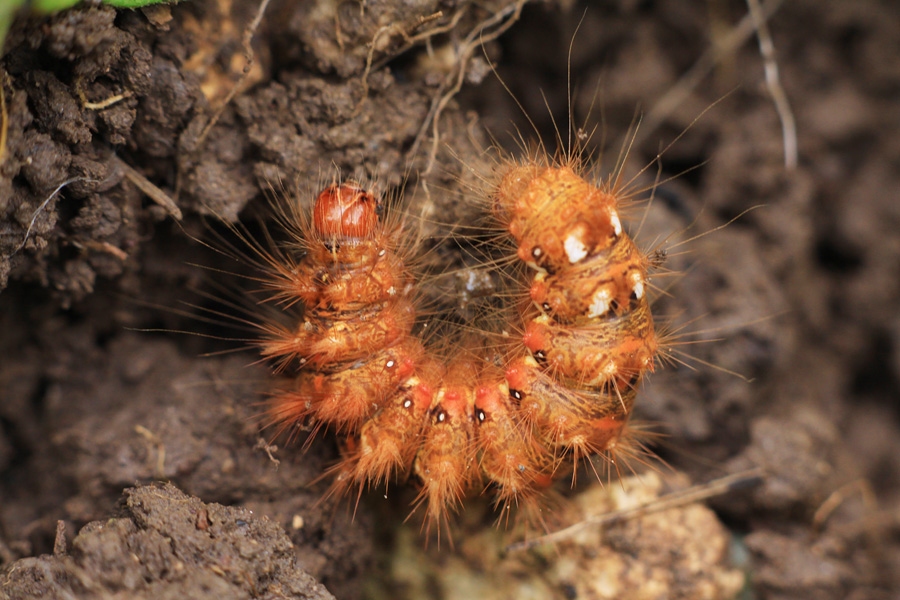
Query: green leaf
[51,6]
[8,9]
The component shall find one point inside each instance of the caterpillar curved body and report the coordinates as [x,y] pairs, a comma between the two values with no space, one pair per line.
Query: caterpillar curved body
[565,391]
[353,344]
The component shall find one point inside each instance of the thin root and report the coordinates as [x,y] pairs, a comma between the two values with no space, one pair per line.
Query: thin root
[41,208]
[773,82]
[403,29]
[85,103]
[717,487]
[502,20]
[742,32]
[4,118]
[249,58]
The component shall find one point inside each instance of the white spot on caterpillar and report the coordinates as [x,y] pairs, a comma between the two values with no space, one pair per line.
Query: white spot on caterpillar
[615,222]
[599,303]
[575,249]
[530,361]
[638,286]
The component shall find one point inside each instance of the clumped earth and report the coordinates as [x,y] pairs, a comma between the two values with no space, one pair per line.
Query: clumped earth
[138,114]
[169,545]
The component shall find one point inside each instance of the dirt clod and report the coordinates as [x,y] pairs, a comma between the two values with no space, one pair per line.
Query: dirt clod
[155,550]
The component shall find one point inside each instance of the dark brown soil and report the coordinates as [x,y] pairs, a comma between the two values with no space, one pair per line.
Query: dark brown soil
[800,295]
[169,545]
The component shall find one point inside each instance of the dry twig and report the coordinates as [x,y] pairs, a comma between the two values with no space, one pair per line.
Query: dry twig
[680,498]
[501,22]
[249,58]
[742,32]
[773,82]
[155,194]
[4,117]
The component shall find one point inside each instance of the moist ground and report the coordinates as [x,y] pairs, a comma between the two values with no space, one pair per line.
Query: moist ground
[800,295]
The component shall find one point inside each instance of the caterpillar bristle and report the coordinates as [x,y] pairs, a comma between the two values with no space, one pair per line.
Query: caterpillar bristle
[535,375]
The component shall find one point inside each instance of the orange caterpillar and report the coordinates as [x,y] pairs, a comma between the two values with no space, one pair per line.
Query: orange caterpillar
[354,339]
[567,387]
[591,337]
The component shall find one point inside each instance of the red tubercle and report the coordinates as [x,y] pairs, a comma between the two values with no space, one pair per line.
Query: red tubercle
[534,338]
[424,382]
[346,210]
[492,397]
[407,367]
[458,380]
[458,401]
[520,373]
[538,291]
[525,252]
[405,358]
[422,395]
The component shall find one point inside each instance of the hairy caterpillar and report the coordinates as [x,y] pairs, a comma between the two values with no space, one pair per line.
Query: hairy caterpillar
[565,388]
[354,337]
[591,337]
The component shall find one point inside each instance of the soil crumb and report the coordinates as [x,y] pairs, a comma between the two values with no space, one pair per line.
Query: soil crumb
[166,544]
[633,559]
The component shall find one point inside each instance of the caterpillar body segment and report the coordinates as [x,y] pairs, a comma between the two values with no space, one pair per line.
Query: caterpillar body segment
[609,282]
[595,352]
[445,463]
[326,339]
[345,398]
[352,349]
[581,421]
[590,338]
[386,444]
[513,454]
[555,216]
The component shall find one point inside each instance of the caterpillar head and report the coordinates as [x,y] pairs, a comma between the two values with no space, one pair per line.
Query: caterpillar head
[346,211]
